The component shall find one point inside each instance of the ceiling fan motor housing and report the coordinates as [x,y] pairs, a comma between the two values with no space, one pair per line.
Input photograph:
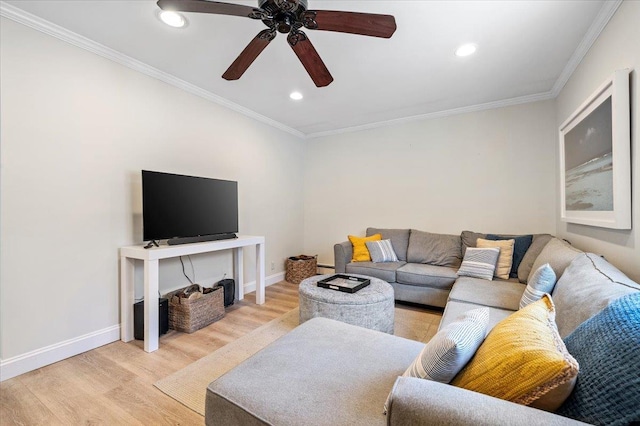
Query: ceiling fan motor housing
[284,15]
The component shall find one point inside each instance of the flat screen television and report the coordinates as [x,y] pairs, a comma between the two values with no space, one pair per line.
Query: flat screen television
[186,209]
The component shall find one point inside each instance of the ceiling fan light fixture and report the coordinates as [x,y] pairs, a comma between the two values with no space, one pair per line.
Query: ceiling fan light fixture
[296,96]
[466,50]
[173,19]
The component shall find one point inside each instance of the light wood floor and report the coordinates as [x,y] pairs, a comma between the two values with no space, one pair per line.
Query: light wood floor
[113,384]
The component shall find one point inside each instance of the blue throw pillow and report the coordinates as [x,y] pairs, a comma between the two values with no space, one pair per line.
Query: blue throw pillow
[607,347]
[523,242]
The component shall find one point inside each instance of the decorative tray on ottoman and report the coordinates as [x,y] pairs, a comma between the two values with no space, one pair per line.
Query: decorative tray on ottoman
[345,283]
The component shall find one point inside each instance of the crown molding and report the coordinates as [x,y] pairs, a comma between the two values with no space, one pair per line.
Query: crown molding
[607,11]
[49,28]
[439,114]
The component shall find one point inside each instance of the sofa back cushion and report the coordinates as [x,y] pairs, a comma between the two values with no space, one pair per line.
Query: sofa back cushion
[469,239]
[434,249]
[558,254]
[526,265]
[588,285]
[399,239]
[607,347]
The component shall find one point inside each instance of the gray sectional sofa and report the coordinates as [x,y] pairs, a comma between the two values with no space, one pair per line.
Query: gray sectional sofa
[427,262]
[328,373]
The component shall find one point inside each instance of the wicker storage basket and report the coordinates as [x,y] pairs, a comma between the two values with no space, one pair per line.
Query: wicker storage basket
[300,267]
[191,314]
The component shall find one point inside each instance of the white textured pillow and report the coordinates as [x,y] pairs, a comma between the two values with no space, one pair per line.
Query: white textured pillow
[479,262]
[381,251]
[542,281]
[451,348]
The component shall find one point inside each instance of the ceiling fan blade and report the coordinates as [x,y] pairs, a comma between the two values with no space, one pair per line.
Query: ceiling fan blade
[309,58]
[203,6]
[249,54]
[368,24]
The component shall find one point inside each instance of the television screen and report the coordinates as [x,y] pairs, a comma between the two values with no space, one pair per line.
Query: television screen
[183,207]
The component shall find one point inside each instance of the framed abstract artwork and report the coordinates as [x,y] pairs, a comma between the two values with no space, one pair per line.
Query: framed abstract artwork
[595,158]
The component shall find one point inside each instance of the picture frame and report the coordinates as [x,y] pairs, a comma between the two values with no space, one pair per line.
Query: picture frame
[595,158]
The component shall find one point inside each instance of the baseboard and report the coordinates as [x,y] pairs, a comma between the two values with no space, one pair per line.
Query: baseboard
[270,280]
[42,357]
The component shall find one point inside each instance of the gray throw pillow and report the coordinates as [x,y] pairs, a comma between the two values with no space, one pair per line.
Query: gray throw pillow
[399,239]
[542,281]
[479,263]
[381,251]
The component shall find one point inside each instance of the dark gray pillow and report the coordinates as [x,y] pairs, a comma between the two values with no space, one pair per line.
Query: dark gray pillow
[434,249]
[399,239]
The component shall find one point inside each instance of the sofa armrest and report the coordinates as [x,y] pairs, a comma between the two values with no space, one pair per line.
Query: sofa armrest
[342,254]
[425,402]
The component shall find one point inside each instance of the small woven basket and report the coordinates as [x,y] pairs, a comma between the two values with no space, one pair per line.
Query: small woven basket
[189,315]
[300,267]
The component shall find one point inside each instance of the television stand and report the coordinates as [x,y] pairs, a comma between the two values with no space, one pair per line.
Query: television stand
[201,238]
[151,258]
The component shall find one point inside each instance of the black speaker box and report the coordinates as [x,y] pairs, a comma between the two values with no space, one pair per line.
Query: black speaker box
[229,287]
[138,318]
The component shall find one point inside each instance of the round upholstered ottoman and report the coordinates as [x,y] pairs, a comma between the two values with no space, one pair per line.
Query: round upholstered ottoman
[371,307]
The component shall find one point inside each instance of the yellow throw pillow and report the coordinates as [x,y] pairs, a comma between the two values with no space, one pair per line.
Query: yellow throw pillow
[360,250]
[503,268]
[523,360]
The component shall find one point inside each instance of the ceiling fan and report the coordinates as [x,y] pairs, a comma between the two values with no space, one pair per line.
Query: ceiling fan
[288,17]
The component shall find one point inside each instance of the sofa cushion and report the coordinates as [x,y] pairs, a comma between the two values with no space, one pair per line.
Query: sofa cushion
[607,348]
[454,309]
[558,254]
[497,293]
[434,249]
[385,271]
[479,263]
[587,286]
[451,348]
[542,281]
[360,250]
[468,239]
[381,251]
[505,260]
[422,275]
[399,239]
[520,247]
[324,372]
[537,244]
[522,359]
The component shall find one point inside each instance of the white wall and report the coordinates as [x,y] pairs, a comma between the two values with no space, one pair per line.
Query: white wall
[488,171]
[617,47]
[76,131]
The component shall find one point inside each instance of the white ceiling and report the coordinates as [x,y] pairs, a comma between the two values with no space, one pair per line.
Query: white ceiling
[526,51]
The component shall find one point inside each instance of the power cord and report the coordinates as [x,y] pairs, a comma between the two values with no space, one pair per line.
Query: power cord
[192,270]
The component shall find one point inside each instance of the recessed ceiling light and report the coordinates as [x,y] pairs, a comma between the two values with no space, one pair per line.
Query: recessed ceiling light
[466,50]
[296,96]
[173,19]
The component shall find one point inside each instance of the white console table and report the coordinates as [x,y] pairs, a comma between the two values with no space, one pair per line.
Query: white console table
[151,258]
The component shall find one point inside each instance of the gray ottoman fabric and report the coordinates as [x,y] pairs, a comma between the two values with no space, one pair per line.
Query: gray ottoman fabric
[371,307]
[322,373]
